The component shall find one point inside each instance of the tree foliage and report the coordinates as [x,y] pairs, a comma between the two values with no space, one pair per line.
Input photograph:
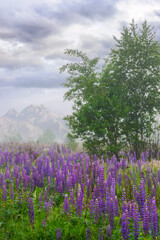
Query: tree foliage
[116,104]
[136,60]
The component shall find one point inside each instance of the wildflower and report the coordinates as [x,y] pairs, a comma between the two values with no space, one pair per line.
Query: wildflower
[4,193]
[43,223]
[109,231]
[154,219]
[101,237]
[136,219]
[96,210]
[59,233]
[145,220]
[31,211]
[66,204]
[111,213]
[88,237]
[124,226]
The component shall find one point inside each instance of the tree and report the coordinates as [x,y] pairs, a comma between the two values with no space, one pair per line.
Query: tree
[116,105]
[136,61]
[96,114]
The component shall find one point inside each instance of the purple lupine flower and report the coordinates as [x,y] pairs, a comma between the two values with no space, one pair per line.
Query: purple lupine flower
[136,219]
[154,219]
[109,232]
[41,197]
[96,210]
[107,200]
[49,189]
[91,207]
[141,196]
[102,187]
[124,198]
[124,226]
[88,234]
[111,212]
[149,183]
[101,237]
[130,208]
[46,206]
[59,233]
[79,201]
[51,202]
[32,185]
[61,188]
[1,180]
[31,211]
[116,210]
[120,179]
[135,194]
[124,207]
[66,204]
[72,200]
[113,188]
[98,188]
[109,180]
[4,193]
[45,195]
[17,184]
[43,223]
[11,191]
[153,192]
[145,219]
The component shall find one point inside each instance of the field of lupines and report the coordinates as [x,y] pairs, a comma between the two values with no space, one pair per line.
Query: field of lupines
[54,193]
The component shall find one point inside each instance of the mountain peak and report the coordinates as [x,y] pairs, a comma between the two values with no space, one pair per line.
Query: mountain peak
[12,113]
[36,118]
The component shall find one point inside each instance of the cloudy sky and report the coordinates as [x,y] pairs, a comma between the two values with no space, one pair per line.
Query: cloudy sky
[35,33]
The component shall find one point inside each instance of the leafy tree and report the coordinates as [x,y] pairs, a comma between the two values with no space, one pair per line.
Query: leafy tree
[116,105]
[136,61]
[96,114]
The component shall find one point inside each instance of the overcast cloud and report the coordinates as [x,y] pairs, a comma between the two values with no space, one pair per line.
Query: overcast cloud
[34,35]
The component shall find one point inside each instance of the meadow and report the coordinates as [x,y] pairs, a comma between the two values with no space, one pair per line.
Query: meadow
[54,193]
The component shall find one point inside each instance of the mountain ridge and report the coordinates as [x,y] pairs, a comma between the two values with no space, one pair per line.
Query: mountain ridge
[31,123]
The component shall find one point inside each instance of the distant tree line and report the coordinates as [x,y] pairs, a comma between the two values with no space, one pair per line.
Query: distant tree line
[115,106]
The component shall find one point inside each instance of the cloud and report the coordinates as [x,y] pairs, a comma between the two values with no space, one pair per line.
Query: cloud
[71,12]
[27,28]
[32,79]
[34,35]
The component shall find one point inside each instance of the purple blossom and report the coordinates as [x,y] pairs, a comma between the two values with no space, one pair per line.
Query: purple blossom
[124,226]
[145,219]
[154,219]
[96,210]
[4,193]
[109,232]
[66,204]
[136,219]
[59,234]
[43,223]
[88,234]
[11,191]
[31,211]
[79,201]
[101,237]
[91,207]
[111,212]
